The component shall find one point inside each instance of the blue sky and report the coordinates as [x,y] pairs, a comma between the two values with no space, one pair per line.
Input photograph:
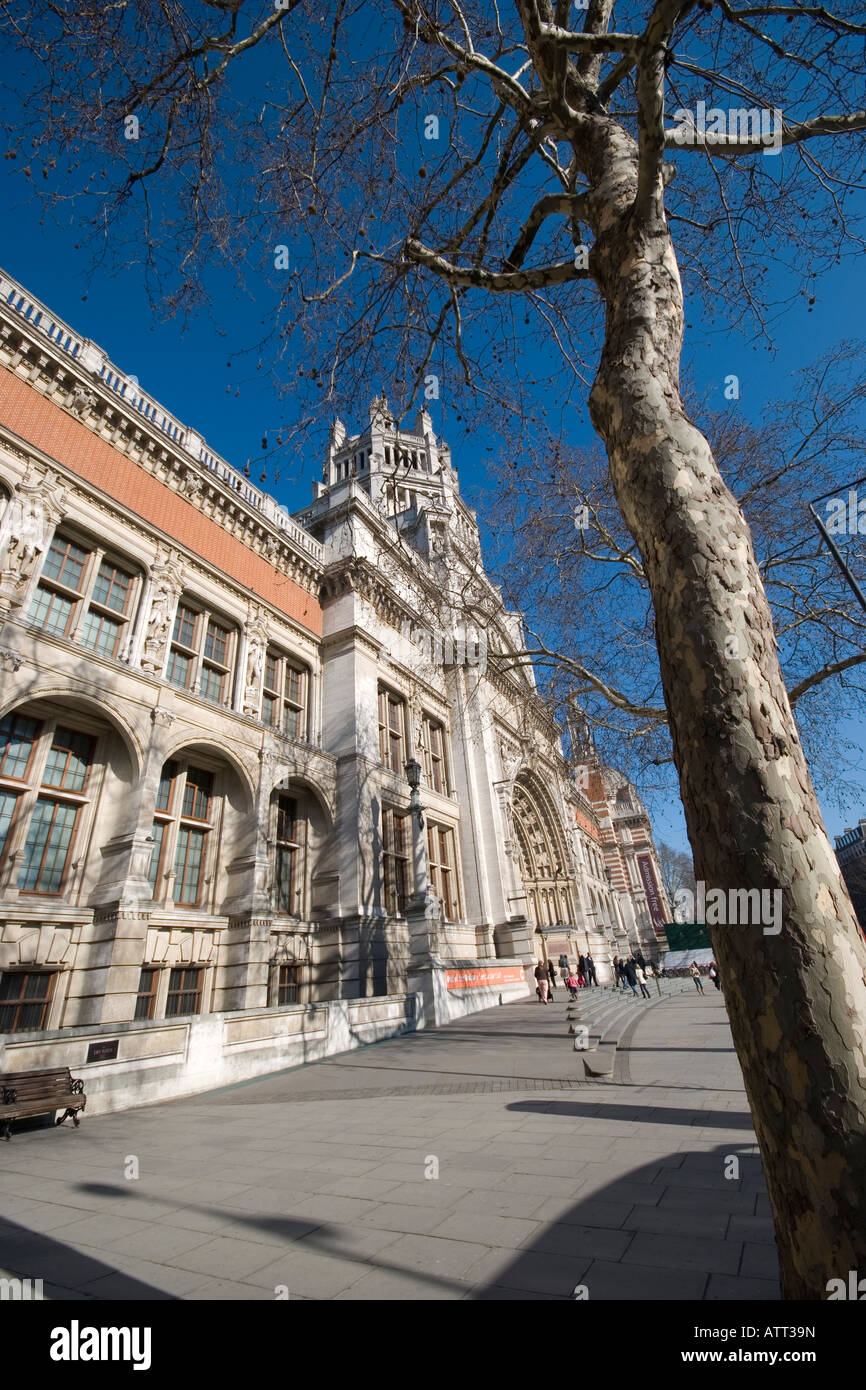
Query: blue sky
[200,373]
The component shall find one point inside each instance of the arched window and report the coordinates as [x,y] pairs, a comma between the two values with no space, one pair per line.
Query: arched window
[288,856]
[185,834]
[45,777]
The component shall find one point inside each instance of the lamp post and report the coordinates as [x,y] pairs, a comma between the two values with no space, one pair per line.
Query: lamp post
[420,863]
[413,777]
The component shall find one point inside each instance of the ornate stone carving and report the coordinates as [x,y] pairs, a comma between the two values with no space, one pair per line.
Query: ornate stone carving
[257,645]
[83,400]
[167,587]
[31,514]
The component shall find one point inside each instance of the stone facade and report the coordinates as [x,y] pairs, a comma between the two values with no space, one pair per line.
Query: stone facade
[208,707]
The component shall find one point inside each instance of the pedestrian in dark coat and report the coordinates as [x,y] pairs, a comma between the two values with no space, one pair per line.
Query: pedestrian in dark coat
[591,976]
[630,976]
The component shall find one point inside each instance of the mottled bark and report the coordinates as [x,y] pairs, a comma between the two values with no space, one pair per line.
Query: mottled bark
[797,1000]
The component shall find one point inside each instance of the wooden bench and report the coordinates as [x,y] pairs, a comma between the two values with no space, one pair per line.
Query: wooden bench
[38,1092]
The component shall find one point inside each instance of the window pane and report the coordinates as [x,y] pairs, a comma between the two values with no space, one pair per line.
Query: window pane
[7,808]
[269,710]
[197,793]
[293,684]
[177,670]
[17,736]
[184,626]
[284,878]
[216,643]
[212,683]
[158,833]
[292,722]
[166,780]
[188,865]
[65,562]
[184,993]
[146,994]
[111,587]
[287,991]
[271,673]
[67,763]
[100,634]
[51,611]
[286,814]
[47,847]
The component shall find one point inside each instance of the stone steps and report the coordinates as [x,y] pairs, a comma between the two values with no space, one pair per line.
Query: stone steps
[607,1015]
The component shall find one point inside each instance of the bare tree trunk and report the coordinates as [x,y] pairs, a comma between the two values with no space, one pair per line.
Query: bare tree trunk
[797,1000]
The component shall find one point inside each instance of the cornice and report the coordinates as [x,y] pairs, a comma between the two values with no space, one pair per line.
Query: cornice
[70,384]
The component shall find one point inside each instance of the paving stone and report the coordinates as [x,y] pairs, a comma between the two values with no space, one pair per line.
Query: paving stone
[385,1286]
[759,1229]
[587,1211]
[540,1274]
[487,1228]
[606,1280]
[685,1252]
[759,1262]
[308,1275]
[726,1288]
[666,1221]
[397,1216]
[526,1204]
[223,1255]
[435,1255]
[591,1241]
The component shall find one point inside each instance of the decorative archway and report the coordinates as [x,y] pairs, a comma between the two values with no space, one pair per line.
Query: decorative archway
[543,856]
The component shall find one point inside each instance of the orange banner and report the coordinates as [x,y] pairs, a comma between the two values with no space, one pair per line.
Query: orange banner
[484,975]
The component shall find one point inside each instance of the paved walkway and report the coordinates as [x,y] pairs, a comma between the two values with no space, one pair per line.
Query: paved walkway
[320,1182]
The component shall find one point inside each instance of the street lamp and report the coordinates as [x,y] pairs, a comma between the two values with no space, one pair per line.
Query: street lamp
[413,777]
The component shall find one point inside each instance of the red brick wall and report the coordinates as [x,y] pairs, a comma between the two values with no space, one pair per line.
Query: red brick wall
[43,424]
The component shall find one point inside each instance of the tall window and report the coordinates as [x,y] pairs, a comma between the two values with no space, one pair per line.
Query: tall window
[86,595]
[288,981]
[395,861]
[286,695]
[184,992]
[433,754]
[202,653]
[183,823]
[443,869]
[52,823]
[145,1002]
[17,741]
[287,888]
[392,730]
[24,999]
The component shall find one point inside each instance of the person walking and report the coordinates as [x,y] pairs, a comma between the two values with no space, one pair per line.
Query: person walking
[571,985]
[551,970]
[591,977]
[713,973]
[543,982]
[696,976]
[629,974]
[581,966]
[642,981]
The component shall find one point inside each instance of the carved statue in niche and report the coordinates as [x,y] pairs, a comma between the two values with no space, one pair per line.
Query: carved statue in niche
[257,644]
[167,587]
[28,519]
[511,758]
